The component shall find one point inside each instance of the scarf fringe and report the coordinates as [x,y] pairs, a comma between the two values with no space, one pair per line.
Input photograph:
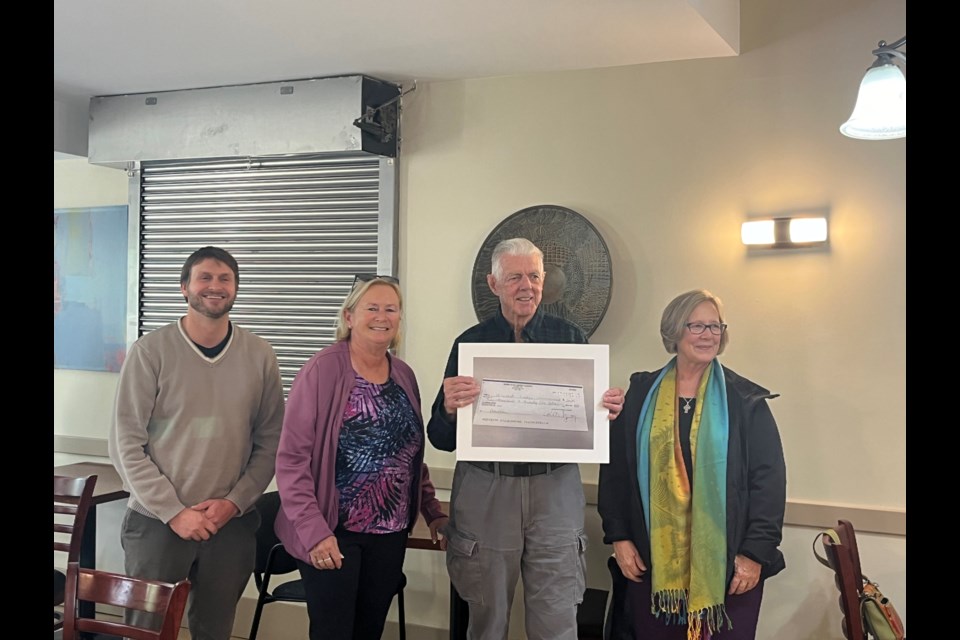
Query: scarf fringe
[671,605]
[672,602]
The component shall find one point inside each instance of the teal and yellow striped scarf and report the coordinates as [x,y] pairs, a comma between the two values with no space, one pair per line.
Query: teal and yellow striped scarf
[687,529]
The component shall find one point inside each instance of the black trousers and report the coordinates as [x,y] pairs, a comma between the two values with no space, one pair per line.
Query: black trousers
[743,611]
[351,603]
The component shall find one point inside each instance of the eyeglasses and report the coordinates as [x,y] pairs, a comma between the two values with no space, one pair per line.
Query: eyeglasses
[367,277]
[696,328]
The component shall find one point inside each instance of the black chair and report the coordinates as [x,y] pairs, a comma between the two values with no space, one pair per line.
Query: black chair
[591,613]
[273,559]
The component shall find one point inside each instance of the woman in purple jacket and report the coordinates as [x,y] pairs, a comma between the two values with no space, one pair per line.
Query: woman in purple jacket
[350,468]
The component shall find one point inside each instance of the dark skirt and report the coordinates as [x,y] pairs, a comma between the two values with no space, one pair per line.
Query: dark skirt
[743,611]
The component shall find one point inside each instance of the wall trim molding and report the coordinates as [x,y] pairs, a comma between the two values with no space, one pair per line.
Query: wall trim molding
[80,445]
[823,515]
[799,513]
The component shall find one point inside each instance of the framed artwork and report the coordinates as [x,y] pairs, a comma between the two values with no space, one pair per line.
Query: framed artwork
[537,403]
[89,288]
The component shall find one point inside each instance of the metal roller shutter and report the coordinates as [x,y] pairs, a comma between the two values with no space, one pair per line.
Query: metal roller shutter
[299,227]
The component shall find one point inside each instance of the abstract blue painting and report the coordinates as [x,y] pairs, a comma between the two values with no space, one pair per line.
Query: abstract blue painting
[89,288]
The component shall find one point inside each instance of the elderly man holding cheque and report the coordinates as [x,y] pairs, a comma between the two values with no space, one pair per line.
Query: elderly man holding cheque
[510,519]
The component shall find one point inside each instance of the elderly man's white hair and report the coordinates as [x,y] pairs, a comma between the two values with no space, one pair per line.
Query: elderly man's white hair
[511,247]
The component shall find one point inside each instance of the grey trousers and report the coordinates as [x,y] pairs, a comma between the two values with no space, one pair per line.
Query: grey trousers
[218,568]
[502,528]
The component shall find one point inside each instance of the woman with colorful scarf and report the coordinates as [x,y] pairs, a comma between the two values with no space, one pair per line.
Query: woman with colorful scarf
[693,497]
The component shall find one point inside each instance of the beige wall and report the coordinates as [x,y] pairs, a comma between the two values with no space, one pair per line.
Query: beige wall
[667,160]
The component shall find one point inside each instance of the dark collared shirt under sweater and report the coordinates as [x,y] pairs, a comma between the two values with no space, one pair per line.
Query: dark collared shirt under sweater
[541,327]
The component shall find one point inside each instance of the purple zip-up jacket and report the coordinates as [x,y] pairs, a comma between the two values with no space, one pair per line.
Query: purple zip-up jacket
[307,455]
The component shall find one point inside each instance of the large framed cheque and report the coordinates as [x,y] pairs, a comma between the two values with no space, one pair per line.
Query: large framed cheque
[537,403]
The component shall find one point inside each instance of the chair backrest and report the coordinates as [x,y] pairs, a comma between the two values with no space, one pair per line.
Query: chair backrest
[272,559]
[848,537]
[72,498]
[71,502]
[269,505]
[101,587]
[843,557]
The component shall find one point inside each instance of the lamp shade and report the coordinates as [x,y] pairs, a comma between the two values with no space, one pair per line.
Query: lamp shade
[881,109]
[808,230]
[785,232]
[758,232]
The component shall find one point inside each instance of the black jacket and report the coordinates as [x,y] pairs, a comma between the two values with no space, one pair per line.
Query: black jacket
[756,476]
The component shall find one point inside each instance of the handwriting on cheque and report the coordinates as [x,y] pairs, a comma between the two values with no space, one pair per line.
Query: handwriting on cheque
[536,405]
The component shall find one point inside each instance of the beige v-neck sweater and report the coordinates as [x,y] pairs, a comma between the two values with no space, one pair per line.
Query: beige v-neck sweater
[188,428]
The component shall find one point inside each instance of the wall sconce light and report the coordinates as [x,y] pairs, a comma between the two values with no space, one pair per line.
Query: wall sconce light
[881,109]
[785,233]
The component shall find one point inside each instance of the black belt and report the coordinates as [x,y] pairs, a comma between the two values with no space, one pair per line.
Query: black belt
[519,469]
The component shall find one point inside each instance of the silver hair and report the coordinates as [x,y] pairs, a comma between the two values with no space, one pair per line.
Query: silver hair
[512,247]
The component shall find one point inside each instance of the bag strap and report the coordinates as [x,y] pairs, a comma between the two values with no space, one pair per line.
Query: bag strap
[834,536]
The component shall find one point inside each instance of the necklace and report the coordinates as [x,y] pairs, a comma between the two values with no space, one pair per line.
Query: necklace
[686,403]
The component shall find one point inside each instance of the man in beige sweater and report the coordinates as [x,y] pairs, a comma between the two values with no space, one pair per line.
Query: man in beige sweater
[198,415]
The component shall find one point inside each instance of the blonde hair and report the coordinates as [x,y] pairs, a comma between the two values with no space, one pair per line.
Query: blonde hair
[350,303]
[675,316]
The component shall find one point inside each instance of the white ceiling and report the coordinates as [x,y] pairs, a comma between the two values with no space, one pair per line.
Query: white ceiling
[107,47]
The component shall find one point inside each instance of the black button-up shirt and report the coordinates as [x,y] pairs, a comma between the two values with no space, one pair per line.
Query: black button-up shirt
[540,328]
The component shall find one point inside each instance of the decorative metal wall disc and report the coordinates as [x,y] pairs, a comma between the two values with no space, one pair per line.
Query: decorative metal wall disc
[579,279]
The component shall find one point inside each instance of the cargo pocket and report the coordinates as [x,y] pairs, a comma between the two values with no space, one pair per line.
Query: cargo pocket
[554,571]
[463,565]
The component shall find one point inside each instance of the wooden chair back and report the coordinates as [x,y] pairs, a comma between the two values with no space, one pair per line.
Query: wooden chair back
[844,558]
[101,587]
[848,537]
[71,502]
[72,498]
